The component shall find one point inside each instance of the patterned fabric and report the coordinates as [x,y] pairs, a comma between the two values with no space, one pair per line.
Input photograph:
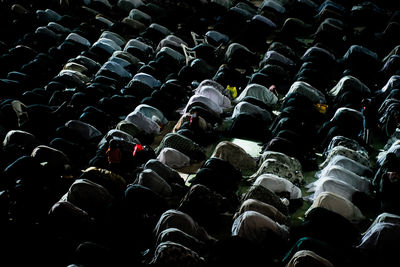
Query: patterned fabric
[292,162]
[265,195]
[173,254]
[339,205]
[278,185]
[257,227]
[346,142]
[263,208]
[182,144]
[355,155]
[308,258]
[274,166]
[235,155]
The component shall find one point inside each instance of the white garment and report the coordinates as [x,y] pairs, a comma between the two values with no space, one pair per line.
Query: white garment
[212,106]
[337,172]
[215,95]
[173,158]
[329,184]
[337,204]
[212,83]
[348,164]
[152,113]
[278,185]
[249,108]
[143,122]
[154,182]
[259,92]
[255,226]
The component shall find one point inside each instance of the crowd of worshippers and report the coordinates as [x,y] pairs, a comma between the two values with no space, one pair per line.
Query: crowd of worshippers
[90,163]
